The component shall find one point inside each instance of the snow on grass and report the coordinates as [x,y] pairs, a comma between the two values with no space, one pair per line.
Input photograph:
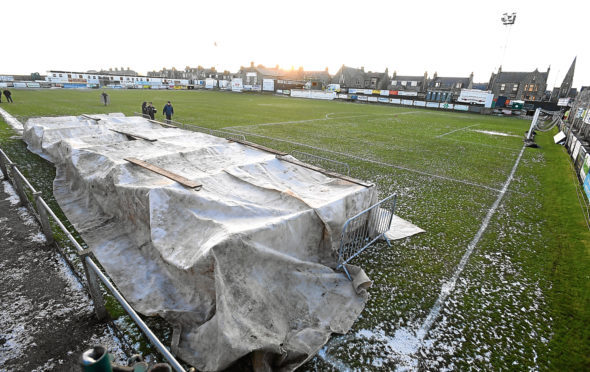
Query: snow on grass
[494,133]
[12,195]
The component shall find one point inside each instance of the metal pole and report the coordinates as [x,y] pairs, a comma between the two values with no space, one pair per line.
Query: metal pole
[43,218]
[155,341]
[3,162]
[18,185]
[94,288]
[534,122]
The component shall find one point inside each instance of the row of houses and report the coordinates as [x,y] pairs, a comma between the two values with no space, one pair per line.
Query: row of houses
[514,85]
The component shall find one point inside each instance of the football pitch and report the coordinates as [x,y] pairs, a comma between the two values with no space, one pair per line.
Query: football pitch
[499,280]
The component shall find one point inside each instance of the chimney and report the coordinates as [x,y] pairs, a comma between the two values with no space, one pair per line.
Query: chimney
[252,64]
[326,69]
[394,74]
[363,68]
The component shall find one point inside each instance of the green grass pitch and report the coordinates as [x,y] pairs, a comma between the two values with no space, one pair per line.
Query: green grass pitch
[522,299]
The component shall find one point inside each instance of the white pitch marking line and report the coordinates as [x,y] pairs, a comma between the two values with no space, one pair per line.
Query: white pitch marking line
[448,287]
[456,130]
[327,117]
[481,144]
[371,161]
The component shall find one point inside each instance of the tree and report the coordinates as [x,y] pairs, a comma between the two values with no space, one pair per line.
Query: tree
[35,76]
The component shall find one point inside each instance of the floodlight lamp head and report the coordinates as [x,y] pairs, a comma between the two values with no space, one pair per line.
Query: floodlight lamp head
[508,19]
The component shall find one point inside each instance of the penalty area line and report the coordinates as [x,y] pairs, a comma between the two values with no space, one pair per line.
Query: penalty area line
[449,285]
[456,130]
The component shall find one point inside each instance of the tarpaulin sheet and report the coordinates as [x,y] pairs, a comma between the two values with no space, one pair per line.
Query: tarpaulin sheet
[243,264]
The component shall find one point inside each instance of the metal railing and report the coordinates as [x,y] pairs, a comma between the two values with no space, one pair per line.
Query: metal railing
[364,229]
[196,128]
[42,212]
[319,161]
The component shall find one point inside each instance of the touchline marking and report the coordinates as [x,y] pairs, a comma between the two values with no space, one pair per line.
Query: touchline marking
[327,117]
[411,346]
[480,144]
[371,161]
[448,286]
[12,121]
[456,130]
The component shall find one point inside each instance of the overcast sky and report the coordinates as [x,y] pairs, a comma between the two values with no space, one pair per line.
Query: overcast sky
[453,38]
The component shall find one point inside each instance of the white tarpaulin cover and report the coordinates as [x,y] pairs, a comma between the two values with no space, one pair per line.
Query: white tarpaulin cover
[244,264]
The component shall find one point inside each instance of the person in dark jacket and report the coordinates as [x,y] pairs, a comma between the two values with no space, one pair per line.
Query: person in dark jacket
[168,110]
[150,110]
[144,108]
[8,95]
[104,98]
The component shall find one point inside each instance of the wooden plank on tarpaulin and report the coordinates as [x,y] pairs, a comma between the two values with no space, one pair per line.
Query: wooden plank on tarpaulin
[161,171]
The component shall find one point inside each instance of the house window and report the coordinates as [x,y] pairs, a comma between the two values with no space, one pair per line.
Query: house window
[514,87]
[373,82]
[394,82]
[502,87]
[60,75]
[437,84]
[79,76]
[69,76]
[414,83]
[404,83]
[458,85]
[54,75]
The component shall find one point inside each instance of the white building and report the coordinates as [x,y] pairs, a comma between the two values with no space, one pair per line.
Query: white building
[72,79]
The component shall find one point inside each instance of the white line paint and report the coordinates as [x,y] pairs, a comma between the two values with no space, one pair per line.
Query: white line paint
[456,130]
[480,144]
[370,161]
[448,286]
[327,117]
[405,344]
[11,120]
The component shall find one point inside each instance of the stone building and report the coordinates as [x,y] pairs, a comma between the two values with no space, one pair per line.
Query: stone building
[255,75]
[566,90]
[317,79]
[525,86]
[409,83]
[115,71]
[349,77]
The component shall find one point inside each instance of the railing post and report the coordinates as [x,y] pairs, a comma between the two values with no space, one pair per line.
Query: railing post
[94,287]
[18,185]
[44,219]
[3,161]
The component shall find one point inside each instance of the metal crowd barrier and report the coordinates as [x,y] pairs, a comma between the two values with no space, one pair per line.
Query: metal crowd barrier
[329,164]
[42,212]
[364,229]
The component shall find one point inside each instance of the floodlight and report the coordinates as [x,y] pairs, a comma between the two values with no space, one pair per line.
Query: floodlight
[508,19]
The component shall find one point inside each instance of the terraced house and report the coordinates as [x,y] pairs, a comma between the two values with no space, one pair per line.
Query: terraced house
[525,86]
[349,77]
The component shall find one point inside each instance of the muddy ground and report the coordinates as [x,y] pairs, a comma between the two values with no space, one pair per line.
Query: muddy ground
[46,317]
